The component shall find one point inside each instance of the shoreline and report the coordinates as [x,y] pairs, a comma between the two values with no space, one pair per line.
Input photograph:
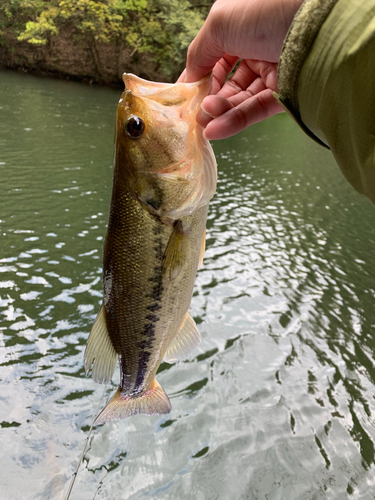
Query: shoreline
[39,72]
[63,57]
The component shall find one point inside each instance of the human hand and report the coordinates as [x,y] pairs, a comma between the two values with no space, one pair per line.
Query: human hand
[251,30]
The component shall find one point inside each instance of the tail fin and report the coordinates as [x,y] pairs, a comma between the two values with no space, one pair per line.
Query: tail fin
[153,402]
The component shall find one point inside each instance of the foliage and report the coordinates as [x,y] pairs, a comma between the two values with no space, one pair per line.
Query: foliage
[15,13]
[161,28]
[102,20]
[168,30]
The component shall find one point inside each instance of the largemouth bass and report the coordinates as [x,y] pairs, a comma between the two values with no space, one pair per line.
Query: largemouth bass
[164,176]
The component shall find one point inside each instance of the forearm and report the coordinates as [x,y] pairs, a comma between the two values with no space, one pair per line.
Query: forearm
[327,80]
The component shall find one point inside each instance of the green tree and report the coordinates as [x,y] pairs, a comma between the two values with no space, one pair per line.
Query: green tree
[161,28]
[167,30]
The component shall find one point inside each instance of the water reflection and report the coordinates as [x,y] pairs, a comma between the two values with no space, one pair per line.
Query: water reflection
[277,402]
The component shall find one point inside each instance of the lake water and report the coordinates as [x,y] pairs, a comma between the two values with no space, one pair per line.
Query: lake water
[278,401]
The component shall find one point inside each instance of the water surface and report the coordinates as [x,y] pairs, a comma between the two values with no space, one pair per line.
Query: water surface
[278,400]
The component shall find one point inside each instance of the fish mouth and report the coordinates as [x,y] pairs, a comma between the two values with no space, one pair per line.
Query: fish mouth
[142,88]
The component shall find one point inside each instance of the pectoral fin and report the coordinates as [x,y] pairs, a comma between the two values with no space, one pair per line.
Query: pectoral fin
[100,351]
[203,249]
[187,339]
[153,402]
[176,252]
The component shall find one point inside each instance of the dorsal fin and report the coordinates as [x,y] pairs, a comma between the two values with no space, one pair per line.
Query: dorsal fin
[100,351]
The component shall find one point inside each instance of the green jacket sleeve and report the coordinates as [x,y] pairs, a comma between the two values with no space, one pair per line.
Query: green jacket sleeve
[327,82]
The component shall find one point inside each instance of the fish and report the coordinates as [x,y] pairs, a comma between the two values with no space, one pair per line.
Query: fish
[165,174]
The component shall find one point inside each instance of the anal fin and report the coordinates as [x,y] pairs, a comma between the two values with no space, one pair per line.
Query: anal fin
[100,351]
[187,339]
[152,402]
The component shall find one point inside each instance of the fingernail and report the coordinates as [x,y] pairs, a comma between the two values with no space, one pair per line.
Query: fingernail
[203,118]
[205,111]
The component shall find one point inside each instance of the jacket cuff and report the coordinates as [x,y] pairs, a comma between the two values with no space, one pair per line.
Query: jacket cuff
[297,44]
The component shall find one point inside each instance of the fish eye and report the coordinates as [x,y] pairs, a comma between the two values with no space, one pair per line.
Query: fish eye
[134,127]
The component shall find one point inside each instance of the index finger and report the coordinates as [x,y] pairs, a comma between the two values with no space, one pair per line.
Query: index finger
[221,71]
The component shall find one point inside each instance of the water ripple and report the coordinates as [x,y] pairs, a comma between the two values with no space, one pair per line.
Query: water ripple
[276,402]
